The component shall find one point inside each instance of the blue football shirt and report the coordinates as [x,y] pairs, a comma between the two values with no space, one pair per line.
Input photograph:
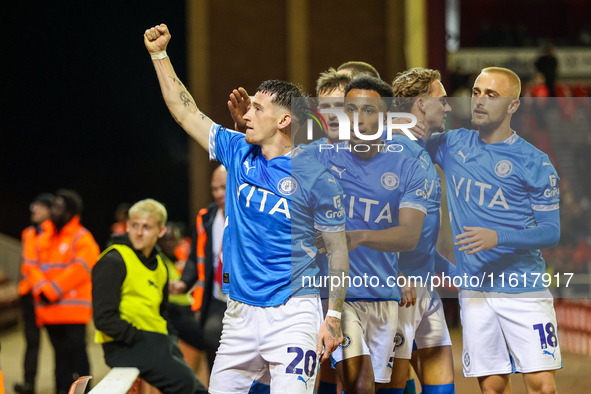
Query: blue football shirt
[495,186]
[374,191]
[273,210]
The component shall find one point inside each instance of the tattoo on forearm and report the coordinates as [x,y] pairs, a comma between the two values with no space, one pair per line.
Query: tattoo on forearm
[178,81]
[188,101]
[186,98]
[337,295]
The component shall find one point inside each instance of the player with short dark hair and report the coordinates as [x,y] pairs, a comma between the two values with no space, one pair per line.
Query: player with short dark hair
[276,201]
[370,83]
[385,207]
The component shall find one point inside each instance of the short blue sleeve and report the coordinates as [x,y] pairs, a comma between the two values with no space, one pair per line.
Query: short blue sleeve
[541,181]
[223,143]
[328,201]
[312,150]
[415,193]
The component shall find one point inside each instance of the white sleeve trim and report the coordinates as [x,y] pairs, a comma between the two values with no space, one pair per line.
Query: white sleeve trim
[212,134]
[414,205]
[544,207]
[329,229]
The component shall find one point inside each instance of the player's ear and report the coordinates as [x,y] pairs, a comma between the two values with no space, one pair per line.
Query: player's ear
[162,231]
[284,121]
[513,106]
[420,103]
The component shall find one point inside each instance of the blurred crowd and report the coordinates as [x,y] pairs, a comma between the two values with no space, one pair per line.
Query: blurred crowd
[520,36]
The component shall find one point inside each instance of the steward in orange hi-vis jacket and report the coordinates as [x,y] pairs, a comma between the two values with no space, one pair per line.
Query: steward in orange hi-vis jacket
[59,266]
[61,274]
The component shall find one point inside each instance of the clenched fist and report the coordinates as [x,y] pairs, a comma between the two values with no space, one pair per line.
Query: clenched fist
[156,39]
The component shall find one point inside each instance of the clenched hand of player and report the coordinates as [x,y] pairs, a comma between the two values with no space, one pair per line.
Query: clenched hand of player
[330,337]
[476,239]
[156,39]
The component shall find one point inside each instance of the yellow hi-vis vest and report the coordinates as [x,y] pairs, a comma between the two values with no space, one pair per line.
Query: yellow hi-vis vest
[173,275]
[141,294]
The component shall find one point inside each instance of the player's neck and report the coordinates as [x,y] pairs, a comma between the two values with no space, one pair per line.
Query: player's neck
[147,251]
[374,149]
[428,134]
[497,134]
[279,146]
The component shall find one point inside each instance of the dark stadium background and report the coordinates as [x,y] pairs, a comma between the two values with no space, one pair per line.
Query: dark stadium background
[82,109]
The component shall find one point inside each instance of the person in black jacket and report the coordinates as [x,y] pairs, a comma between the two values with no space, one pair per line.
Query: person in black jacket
[547,64]
[40,210]
[130,295]
[206,256]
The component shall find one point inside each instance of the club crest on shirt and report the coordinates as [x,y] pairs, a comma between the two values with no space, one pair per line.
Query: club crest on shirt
[390,180]
[346,341]
[287,186]
[503,168]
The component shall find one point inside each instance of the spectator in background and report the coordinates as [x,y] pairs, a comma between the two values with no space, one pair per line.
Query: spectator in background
[547,64]
[40,209]
[582,156]
[130,294]
[584,38]
[538,87]
[118,228]
[59,264]
[183,249]
[205,264]
[180,316]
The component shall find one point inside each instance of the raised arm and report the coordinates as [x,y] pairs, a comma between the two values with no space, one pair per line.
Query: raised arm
[177,97]
[331,334]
